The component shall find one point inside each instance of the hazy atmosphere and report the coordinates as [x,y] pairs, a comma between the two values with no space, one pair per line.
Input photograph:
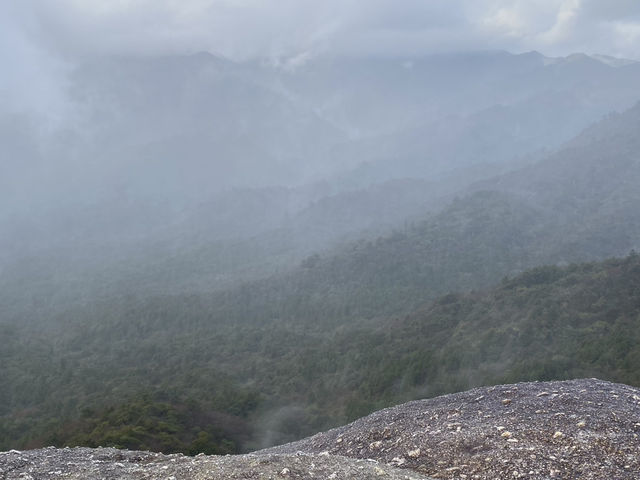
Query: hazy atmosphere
[42,40]
[230,224]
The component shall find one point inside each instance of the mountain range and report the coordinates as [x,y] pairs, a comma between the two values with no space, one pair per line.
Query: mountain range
[452,225]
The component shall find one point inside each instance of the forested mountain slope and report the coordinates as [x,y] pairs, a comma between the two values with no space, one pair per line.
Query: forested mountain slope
[590,184]
[77,225]
[275,358]
[581,203]
[578,204]
[137,375]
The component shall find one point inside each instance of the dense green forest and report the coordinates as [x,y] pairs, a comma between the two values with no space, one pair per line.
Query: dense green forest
[173,374]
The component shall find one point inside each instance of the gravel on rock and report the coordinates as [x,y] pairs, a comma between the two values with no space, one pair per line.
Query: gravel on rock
[111,464]
[581,429]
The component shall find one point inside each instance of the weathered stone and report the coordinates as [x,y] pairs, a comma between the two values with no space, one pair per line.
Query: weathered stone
[109,463]
[585,429]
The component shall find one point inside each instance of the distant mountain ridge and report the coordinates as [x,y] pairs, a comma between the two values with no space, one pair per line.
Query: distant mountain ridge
[154,141]
[181,127]
[579,203]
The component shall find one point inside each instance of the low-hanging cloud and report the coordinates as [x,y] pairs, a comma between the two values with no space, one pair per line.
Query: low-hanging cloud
[244,29]
[33,77]
[40,39]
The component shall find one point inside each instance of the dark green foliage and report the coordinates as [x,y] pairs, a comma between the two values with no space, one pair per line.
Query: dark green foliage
[145,424]
[311,372]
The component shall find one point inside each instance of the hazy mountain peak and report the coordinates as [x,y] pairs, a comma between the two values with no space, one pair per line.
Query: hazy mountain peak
[576,57]
[579,57]
[532,54]
[581,61]
[582,58]
[613,61]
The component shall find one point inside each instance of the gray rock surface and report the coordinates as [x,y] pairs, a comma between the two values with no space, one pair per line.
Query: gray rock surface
[112,464]
[580,429]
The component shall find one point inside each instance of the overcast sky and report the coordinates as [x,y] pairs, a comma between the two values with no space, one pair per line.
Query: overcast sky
[39,36]
[250,28]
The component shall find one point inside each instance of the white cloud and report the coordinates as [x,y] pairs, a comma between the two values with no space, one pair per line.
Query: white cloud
[626,36]
[234,28]
[564,26]
[289,28]
[32,78]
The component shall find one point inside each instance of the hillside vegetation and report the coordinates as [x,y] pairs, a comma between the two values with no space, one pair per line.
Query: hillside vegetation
[229,335]
[288,377]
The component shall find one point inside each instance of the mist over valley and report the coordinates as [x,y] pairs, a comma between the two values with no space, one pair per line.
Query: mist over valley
[218,250]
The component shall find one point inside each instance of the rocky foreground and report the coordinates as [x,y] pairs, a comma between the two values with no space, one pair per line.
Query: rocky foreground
[111,464]
[580,429]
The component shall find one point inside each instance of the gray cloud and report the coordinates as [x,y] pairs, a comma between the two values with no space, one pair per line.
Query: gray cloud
[32,77]
[38,38]
[258,28]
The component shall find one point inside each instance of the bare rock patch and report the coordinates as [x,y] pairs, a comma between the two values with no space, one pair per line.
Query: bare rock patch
[579,429]
[112,464]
